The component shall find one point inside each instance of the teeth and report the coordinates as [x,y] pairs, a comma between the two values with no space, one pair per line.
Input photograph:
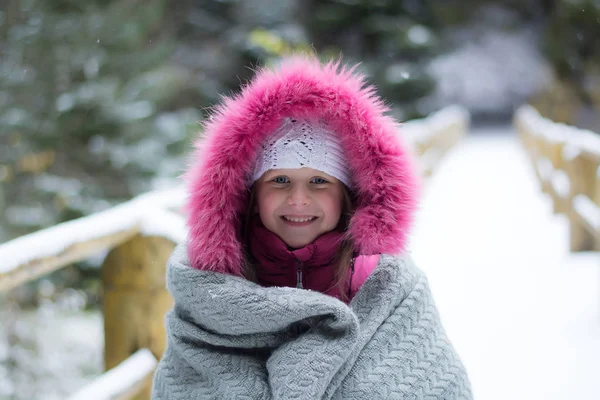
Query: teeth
[299,219]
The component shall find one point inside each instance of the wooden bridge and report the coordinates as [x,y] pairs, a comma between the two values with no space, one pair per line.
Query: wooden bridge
[140,235]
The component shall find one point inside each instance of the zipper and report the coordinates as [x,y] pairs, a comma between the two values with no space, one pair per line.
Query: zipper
[351,276]
[299,274]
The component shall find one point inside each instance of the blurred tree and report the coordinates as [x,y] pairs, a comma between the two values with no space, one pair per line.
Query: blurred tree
[392,39]
[572,44]
[90,111]
[573,38]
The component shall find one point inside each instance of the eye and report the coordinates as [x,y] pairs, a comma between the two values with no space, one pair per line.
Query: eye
[319,181]
[280,179]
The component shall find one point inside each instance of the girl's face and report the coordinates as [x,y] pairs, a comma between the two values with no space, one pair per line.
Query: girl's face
[299,205]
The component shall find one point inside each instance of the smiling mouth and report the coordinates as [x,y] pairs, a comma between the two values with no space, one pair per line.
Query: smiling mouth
[298,220]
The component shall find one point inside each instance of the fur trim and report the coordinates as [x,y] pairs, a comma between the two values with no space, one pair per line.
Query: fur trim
[386,184]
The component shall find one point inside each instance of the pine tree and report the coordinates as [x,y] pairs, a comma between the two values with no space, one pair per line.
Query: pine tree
[88,108]
[393,40]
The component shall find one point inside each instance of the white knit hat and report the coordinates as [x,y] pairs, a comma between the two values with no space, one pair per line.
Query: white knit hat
[301,144]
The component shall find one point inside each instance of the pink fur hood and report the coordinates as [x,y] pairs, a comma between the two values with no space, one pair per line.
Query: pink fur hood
[386,184]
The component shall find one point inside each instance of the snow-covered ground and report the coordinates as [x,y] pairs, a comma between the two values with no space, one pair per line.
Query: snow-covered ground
[523,313]
[48,353]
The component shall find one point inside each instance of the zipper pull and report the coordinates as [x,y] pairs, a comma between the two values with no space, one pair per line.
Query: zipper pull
[299,274]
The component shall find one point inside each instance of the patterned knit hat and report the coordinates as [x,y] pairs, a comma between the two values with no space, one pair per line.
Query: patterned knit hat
[299,143]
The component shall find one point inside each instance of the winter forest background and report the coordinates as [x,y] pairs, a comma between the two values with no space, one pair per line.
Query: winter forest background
[99,101]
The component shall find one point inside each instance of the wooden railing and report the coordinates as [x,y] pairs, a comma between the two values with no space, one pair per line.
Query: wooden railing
[138,237]
[566,161]
[432,137]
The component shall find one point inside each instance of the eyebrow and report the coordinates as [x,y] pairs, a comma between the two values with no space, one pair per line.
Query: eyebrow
[271,175]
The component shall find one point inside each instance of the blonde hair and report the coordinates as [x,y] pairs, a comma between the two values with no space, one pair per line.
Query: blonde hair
[345,253]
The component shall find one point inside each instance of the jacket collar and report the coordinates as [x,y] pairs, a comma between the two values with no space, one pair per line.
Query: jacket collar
[310,267]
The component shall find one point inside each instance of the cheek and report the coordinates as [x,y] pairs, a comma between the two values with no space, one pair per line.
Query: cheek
[267,203]
[332,206]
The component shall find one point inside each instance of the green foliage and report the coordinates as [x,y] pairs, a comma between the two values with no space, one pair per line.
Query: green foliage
[392,39]
[404,83]
[91,83]
[572,36]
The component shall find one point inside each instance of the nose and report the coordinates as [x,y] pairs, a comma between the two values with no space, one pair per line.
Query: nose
[299,196]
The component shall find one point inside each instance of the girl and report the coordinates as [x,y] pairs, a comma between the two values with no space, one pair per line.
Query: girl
[295,282]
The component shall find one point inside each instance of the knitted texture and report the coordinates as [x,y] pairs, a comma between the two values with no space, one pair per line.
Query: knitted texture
[229,338]
[302,144]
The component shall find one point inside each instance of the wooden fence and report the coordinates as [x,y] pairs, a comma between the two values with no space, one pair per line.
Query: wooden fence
[432,137]
[566,161]
[138,237]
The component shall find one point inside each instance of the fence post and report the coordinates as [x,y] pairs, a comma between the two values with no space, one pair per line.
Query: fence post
[530,144]
[560,202]
[543,161]
[582,176]
[135,300]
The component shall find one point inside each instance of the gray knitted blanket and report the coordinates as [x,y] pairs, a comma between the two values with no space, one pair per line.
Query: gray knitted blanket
[229,338]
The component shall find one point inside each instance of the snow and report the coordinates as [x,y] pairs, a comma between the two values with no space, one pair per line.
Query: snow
[588,140]
[421,130]
[56,239]
[521,310]
[587,210]
[561,184]
[570,152]
[166,224]
[424,130]
[544,167]
[119,379]
[149,213]
[171,198]
[447,116]
[51,351]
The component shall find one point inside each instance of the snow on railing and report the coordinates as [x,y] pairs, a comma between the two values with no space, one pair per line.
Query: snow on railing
[123,381]
[566,161]
[560,184]
[432,137]
[31,256]
[588,211]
